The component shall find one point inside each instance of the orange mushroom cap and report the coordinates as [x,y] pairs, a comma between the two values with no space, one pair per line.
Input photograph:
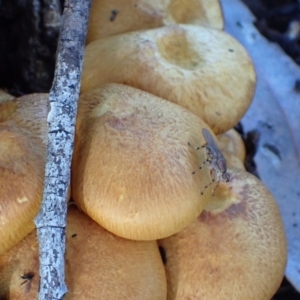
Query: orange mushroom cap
[236,249]
[202,69]
[132,165]
[22,166]
[110,17]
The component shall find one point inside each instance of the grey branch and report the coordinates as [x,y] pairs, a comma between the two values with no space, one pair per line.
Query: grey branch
[51,220]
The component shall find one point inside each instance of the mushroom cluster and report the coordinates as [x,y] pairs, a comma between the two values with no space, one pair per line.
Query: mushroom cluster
[160,80]
[202,69]
[98,263]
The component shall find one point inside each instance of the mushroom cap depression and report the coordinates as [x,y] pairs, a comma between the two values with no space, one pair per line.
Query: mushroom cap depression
[202,69]
[235,250]
[110,17]
[132,165]
[99,265]
[22,165]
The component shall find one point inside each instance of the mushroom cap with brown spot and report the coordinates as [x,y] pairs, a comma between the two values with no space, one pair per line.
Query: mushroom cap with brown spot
[202,69]
[110,17]
[99,265]
[22,167]
[132,165]
[236,249]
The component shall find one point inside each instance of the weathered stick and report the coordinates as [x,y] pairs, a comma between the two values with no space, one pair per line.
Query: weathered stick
[51,220]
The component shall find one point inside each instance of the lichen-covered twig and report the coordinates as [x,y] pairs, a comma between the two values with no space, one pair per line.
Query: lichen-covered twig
[51,220]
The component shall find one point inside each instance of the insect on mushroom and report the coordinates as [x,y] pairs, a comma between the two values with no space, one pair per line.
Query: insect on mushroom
[215,160]
[27,277]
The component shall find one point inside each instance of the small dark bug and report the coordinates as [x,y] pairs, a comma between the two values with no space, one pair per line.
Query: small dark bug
[215,160]
[27,277]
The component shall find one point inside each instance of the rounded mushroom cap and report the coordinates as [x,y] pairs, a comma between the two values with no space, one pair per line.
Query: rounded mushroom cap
[109,17]
[99,265]
[204,70]
[236,249]
[132,165]
[22,167]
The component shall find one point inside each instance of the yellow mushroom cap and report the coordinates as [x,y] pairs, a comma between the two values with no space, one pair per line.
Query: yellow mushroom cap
[99,265]
[109,17]
[202,69]
[22,167]
[132,165]
[236,249]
